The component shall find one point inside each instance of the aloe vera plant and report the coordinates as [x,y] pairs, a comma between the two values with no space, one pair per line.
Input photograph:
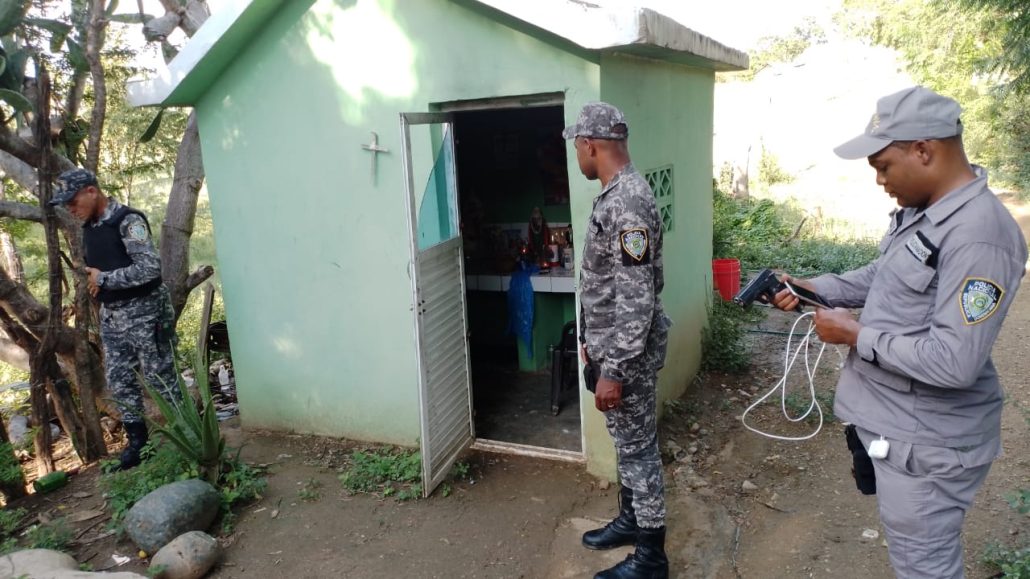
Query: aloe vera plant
[195,433]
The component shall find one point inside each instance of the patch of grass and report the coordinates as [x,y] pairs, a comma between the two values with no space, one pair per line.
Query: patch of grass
[10,467]
[309,490]
[723,345]
[55,535]
[1011,562]
[162,464]
[389,472]
[9,521]
[797,403]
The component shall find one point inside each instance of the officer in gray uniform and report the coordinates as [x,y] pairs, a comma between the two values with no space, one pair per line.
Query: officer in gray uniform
[919,383]
[624,331]
[137,323]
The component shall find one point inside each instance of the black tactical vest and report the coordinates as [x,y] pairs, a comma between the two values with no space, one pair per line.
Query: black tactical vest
[105,251]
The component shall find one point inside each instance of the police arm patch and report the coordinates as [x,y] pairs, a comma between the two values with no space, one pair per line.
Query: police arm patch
[137,231]
[979,299]
[636,246]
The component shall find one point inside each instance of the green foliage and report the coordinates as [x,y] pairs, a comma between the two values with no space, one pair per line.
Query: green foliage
[769,170]
[797,403]
[10,467]
[1020,500]
[771,50]
[758,233]
[162,464]
[1011,562]
[309,490]
[1008,20]
[724,346]
[389,472]
[10,519]
[974,51]
[195,433]
[55,535]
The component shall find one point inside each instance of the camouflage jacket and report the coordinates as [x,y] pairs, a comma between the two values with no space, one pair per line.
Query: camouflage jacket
[621,273]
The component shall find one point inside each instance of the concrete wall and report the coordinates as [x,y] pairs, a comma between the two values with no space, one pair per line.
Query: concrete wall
[669,109]
[313,250]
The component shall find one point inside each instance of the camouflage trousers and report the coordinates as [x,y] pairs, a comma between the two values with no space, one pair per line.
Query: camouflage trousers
[634,427]
[139,340]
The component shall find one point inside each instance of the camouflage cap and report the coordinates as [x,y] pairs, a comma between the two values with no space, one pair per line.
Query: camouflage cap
[71,182]
[598,121]
[913,114]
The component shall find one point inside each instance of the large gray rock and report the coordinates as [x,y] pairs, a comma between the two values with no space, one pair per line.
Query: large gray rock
[174,509]
[47,564]
[189,556]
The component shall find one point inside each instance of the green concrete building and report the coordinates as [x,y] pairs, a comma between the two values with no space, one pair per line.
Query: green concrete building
[372,167]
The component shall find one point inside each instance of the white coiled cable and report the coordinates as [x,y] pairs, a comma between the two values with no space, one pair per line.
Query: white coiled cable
[781,386]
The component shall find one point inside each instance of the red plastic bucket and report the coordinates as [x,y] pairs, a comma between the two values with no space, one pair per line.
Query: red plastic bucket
[726,273]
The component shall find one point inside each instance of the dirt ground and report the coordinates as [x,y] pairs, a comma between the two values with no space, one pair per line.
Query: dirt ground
[517,517]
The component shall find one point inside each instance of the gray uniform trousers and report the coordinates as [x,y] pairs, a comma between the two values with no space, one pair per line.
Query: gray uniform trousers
[924,493]
[633,426]
[136,337]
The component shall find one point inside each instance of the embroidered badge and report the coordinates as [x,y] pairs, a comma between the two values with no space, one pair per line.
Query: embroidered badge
[138,231]
[874,123]
[635,247]
[979,299]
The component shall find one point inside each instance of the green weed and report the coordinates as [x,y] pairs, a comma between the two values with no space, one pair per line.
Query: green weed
[723,341]
[162,464]
[396,473]
[309,490]
[55,535]
[9,521]
[1011,562]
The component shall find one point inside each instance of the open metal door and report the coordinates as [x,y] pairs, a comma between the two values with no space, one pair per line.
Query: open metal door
[438,286]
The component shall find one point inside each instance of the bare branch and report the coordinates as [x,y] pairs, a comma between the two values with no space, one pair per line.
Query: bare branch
[21,172]
[27,152]
[16,210]
[198,277]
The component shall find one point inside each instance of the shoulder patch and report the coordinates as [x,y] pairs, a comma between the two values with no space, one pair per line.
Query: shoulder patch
[979,299]
[137,231]
[635,246]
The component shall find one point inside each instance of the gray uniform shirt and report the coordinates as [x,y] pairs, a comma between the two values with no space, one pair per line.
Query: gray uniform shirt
[621,274]
[934,302]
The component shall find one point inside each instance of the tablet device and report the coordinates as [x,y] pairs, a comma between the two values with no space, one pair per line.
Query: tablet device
[808,297]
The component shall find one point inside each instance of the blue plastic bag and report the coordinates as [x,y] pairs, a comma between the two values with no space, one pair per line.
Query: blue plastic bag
[520,305]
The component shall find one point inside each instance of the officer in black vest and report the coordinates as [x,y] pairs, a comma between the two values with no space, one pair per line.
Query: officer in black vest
[137,323]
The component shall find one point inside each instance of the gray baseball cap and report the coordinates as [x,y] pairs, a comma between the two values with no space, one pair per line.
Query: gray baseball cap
[71,182]
[913,114]
[598,121]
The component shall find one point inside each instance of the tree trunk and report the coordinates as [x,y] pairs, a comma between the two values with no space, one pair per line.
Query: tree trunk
[94,42]
[179,217]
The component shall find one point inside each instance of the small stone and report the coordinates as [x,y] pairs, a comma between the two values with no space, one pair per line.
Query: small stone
[169,511]
[748,487]
[188,556]
[870,535]
[692,450]
[695,427]
[703,432]
[605,484]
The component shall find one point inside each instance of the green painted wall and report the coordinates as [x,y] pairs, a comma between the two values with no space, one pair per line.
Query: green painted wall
[669,109]
[313,250]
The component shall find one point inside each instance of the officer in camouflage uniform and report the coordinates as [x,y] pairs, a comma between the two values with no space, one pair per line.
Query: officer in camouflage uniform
[137,322]
[624,334]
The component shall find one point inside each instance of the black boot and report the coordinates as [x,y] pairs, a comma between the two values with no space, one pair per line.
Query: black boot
[647,562]
[621,531]
[137,435]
